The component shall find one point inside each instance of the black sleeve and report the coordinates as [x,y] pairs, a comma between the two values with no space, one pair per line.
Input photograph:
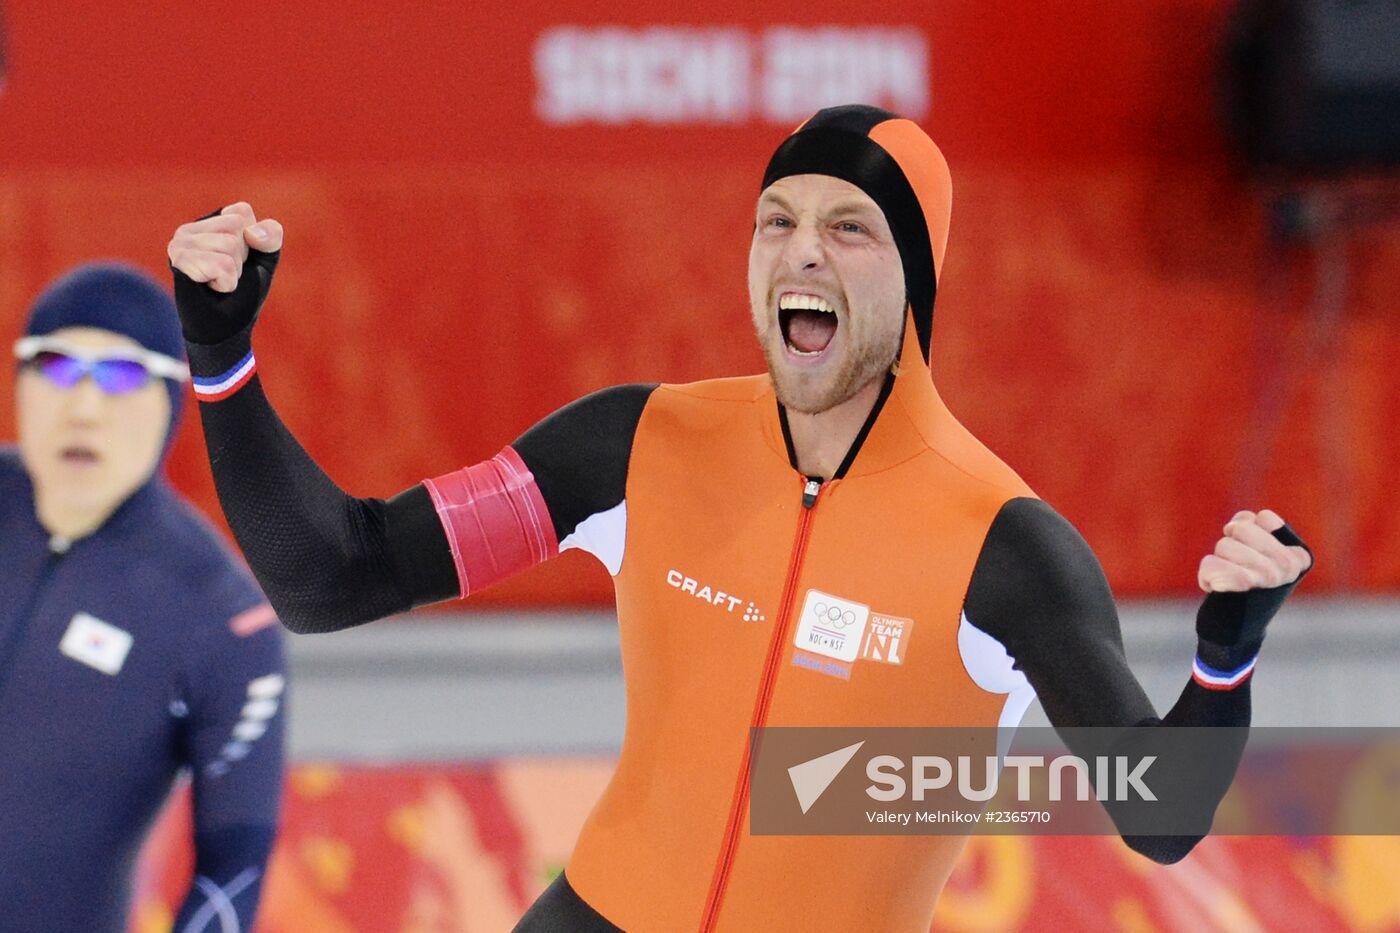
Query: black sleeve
[579,454]
[325,559]
[1038,589]
[328,560]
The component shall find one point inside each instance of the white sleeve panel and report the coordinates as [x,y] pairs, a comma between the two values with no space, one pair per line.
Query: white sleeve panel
[602,534]
[990,666]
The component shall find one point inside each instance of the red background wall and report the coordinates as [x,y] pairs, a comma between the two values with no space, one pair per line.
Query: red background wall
[455,268]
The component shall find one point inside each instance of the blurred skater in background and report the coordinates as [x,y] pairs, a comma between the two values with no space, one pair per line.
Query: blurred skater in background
[132,642]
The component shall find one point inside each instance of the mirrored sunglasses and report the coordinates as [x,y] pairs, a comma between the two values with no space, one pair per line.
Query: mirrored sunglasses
[114,373]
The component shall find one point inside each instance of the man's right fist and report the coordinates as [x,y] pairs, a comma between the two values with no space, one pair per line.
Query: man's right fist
[213,250]
[223,266]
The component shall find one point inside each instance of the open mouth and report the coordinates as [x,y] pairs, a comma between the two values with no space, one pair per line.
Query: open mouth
[808,323]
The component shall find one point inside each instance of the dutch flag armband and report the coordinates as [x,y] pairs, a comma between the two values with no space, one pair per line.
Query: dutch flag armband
[216,388]
[1214,679]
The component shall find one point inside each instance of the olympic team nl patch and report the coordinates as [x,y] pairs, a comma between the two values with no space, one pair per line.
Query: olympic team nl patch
[886,638]
[100,645]
[833,633]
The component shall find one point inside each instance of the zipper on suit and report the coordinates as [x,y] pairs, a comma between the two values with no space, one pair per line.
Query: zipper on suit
[811,491]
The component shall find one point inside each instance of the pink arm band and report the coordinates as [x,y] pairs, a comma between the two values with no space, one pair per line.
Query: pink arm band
[495,519]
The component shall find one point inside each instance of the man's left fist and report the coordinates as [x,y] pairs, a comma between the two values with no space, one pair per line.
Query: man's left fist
[1249,557]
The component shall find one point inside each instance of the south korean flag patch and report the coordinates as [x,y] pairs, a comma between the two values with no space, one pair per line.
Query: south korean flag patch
[100,645]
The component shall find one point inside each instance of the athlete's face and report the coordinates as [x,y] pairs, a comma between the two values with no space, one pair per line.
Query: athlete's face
[87,451]
[826,288]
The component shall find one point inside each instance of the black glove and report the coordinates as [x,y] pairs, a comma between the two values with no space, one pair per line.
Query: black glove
[208,317]
[1236,621]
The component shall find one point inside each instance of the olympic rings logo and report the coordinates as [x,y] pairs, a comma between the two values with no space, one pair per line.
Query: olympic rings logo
[833,615]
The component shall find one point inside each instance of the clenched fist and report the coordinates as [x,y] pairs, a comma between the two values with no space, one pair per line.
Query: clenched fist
[213,250]
[1256,552]
[223,266]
